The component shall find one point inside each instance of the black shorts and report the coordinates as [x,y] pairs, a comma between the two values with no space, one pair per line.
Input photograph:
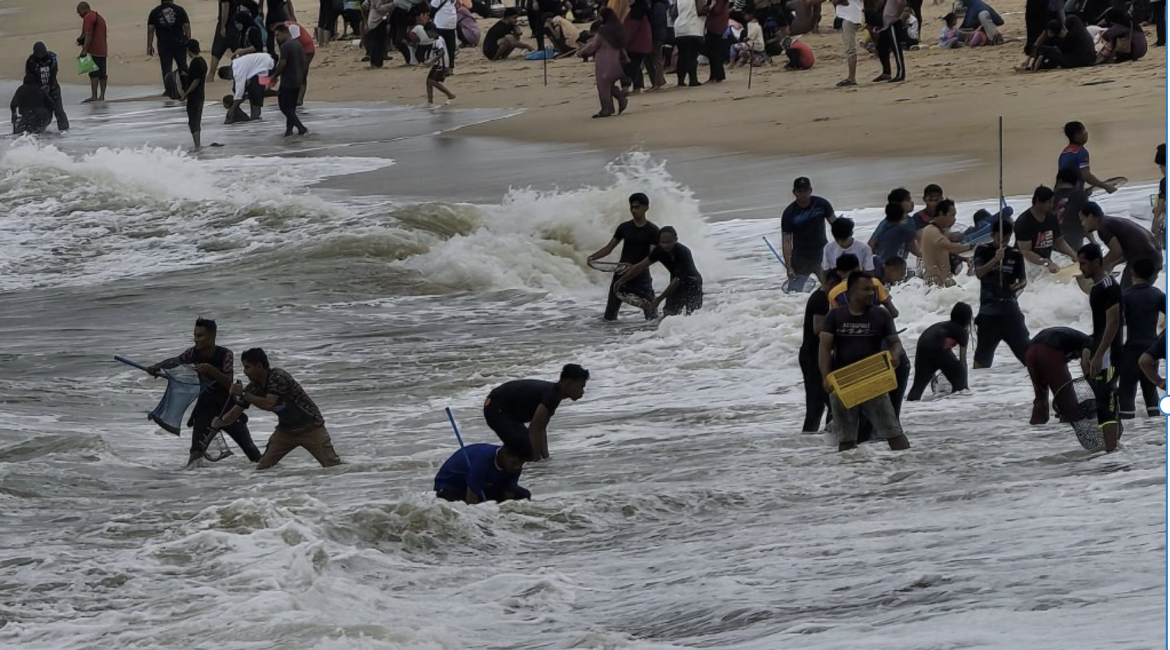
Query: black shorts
[223,44]
[100,73]
[438,73]
[687,298]
[508,429]
[254,91]
[195,114]
[1105,392]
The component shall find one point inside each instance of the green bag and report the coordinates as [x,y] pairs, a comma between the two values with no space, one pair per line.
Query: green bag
[86,64]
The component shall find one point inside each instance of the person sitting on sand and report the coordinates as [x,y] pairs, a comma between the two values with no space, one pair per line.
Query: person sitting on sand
[1070,47]
[1123,39]
[800,56]
[951,37]
[751,50]
[503,37]
[979,15]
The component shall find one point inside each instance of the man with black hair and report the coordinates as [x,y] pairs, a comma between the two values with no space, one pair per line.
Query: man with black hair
[851,334]
[895,236]
[1000,269]
[1068,201]
[844,243]
[803,230]
[299,421]
[484,472]
[1105,300]
[215,366]
[684,294]
[1142,303]
[891,271]
[503,37]
[195,92]
[1038,232]
[1076,157]
[43,65]
[816,400]
[291,70]
[931,196]
[847,265]
[520,410]
[639,236]
[168,23]
[1127,241]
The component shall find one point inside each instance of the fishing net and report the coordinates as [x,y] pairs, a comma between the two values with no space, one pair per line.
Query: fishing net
[1084,418]
[216,448]
[609,267]
[183,389]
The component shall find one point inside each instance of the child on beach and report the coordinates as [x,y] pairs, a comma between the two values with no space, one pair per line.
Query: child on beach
[751,50]
[951,37]
[439,70]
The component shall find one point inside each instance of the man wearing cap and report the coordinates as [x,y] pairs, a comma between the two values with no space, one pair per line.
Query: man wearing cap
[43,64]
[803,229]
[510,408]
[1127,241]
[639,237]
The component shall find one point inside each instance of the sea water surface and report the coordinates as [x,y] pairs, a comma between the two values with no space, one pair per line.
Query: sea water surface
[681,508]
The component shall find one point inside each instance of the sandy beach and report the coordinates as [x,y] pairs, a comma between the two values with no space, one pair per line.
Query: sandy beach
[949,106]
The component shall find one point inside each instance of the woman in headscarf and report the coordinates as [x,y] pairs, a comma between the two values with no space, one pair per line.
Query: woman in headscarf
[609,55]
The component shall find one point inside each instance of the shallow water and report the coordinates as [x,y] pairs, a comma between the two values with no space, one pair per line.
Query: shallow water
[681,508]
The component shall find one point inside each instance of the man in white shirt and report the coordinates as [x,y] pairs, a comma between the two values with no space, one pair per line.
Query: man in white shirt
[446,20]
[852,16]
[245,73]
[843,242]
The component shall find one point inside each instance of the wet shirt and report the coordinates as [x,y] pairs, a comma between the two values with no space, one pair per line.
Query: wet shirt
[636,241]
[1136,242]
[1076,157]
[519,399]
[807,227]
[295,410]
[943,336]
[679,261]
[894,240]
[475,470]
[197,69]
[1070,342]
[293,54]
[1105,295]
[856,337]
[93,22]
[1142,304]
[995,294]
[1041,234]
[31,102]
[168,21]
[817,305]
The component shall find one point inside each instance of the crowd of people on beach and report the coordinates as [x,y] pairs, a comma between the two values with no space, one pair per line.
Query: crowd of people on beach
[634,44]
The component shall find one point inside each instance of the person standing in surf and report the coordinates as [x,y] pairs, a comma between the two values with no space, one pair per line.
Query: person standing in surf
[638,236]
[1143,304]
[816,400]
[1105,301]
[291,72]
[684,294]
[934,352]
[299,421]
[519,411]
[195,92]
[1038,231]
[43,64]
[484,471]
[850,334]
[1150,358]
[1047,362]
[215,366]
[1068,201]
[1076,157]
[1127,241]
[1000,269]
[802,227]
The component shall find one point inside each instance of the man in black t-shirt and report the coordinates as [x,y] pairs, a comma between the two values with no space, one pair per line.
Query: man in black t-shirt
[684,294]
[1143,304]
[638,236]
[1000,318]
[1127,241]
[851,334]
[503,37]
[1038,231]
[803,230]
[169,24]
[816,400]
[510,407]
[1047,362]
[195,92]
[1105,300]
[291,72]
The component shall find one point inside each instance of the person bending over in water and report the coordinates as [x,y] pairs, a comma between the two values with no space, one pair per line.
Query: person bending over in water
[934,352]
[510,408]
[849,335]
[215,366]
[1105,301]
[1047,362]
[1127,241]
[299,421]
[684,294]
[639,236]
[484,472]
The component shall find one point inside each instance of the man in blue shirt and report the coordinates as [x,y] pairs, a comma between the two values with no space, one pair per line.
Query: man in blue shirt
[483,472]
[1076,156]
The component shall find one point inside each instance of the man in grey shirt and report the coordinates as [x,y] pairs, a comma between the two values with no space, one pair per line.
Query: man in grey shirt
[291,72]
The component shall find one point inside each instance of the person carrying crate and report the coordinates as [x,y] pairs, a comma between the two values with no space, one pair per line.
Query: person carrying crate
[857,373]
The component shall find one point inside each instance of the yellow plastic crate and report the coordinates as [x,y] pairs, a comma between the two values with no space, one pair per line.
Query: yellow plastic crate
[860,382]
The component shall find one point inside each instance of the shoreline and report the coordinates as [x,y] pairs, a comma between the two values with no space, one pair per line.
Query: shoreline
[948,108]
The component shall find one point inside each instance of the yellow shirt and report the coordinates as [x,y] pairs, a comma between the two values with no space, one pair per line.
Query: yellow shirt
[882,294]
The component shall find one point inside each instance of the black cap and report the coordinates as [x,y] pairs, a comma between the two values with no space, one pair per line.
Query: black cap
[802,183]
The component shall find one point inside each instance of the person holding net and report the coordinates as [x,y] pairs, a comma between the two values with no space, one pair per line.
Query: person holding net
[215,365]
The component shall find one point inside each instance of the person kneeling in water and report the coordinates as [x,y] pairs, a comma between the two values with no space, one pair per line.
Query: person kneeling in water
[684,294]
[934,352]
[484,472]
[511,406]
